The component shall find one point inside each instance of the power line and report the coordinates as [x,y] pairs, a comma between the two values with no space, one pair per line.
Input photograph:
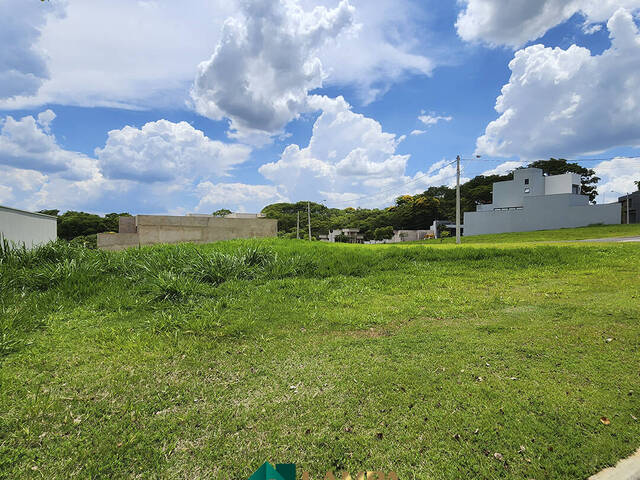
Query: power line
[475,159]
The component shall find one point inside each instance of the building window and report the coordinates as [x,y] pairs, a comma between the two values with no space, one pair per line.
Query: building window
[575,189]
[527,190]
[526,181]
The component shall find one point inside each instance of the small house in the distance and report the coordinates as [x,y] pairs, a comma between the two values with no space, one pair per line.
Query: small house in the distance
[533,201]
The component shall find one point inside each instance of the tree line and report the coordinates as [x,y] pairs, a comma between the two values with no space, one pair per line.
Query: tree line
[410,212]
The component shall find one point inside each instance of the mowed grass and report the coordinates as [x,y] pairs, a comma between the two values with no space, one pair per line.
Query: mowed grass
[436,362]
[560,235]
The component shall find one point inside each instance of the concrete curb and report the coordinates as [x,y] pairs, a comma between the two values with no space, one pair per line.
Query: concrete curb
[627,469]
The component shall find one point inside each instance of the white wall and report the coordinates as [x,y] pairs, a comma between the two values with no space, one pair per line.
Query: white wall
[27,228]
[561,183]
[544,212]
[511,193]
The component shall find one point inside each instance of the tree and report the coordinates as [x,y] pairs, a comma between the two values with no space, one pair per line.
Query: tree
[637,184]
[53,213]
[221,213]
[73,224]
[383,233]
[558,166]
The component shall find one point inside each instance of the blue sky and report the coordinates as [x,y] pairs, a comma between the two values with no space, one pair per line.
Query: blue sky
[151,107]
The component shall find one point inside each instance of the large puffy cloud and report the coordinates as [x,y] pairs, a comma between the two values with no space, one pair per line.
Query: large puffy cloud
[570,102]
[159,167]
[515,22]
[25,144]
[36,172]
[349,156]
[116,52]
[165,151]
[23,65]
[266,63]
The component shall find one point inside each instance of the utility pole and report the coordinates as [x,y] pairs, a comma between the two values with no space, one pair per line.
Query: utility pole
[458,199]
[309,218]
[298,227]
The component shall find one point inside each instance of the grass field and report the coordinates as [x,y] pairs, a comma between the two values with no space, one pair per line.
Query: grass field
[435,361]
[564,234]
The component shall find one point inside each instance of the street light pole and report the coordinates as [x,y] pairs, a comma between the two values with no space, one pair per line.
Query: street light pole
[309,218]
[458,199]
[298,226]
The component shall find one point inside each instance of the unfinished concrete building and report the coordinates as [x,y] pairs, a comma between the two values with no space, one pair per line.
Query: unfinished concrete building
[153,229]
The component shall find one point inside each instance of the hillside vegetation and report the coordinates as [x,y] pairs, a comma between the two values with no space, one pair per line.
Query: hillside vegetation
[435,361]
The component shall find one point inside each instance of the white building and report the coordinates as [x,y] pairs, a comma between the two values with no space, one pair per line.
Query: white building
[533,201]
[26,228]
[350,235]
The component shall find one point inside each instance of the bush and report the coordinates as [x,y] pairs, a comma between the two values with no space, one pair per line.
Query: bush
[86,241]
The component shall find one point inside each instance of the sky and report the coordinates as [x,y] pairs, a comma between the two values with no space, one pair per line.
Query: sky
[157,106]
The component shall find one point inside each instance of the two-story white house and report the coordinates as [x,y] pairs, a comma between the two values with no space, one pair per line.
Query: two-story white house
[533,201]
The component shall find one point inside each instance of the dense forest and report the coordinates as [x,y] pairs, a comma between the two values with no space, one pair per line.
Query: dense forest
[412,212]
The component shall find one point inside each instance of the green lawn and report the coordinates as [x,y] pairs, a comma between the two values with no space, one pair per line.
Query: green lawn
[561,235]
[435,361]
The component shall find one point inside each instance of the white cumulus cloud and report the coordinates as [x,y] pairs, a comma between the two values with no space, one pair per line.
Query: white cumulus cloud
[164,151]
[156,168]
[561,103]
[265,64]
[25,143]
[349,156]
[516,22]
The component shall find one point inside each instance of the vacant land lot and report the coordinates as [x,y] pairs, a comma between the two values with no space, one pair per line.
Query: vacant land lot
[479,361]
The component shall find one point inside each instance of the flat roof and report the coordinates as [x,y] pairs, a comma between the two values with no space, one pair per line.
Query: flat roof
[2,207]
[631,194]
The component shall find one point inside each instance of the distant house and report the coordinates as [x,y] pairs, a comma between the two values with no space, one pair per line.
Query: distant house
[533,201]
[400,236]
[27,229]
[634,203]
[345,235]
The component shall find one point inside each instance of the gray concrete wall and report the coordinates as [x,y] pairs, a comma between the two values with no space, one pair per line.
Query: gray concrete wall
[26,228]
[544,212]
[153,229]
[117,241]
[127,224]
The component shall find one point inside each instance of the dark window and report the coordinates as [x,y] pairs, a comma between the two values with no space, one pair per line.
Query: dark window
[526,181]
[575,188]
